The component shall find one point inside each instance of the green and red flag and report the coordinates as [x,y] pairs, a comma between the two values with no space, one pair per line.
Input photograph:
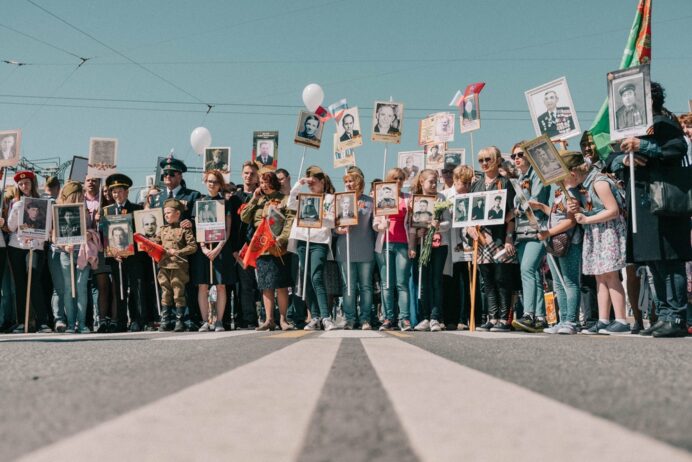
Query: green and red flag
[637,52]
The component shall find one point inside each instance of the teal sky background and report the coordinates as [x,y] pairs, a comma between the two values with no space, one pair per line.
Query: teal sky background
[251,61]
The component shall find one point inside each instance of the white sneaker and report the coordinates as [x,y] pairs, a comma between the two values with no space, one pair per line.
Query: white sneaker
[328,324]
[205,327]
[435,326]
[553,329]
[314,324]
[366,326]
[218,327]
[423,326]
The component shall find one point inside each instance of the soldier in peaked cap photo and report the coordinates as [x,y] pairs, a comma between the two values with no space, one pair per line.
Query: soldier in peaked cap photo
[630,113]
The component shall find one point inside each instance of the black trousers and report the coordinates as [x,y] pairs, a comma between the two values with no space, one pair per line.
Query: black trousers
[19,263]
[248,296]
[133,300]
[497,286]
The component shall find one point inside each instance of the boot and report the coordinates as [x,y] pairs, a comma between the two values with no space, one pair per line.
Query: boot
[165,324]
[179,325]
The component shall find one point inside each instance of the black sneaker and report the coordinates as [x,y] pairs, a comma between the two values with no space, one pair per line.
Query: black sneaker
[525,323]
[636,328]
[486,327]
[539,325]
[387,325]
[500,327]
[652,327]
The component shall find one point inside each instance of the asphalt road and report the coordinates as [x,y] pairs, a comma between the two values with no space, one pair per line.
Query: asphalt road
[351,396]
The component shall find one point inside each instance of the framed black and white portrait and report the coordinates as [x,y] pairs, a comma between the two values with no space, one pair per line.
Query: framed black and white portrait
[387,121]
[70,224]
[103,156]
[35,219]
[460,211]
[310,210]
[343,157]
[477,208]
[118,236]
[470,113]
[148,222]
[412,163]
[386,198]
[265,149]
[10,143]
[552,110]
[422,210]
[629,102]
[210,220]
[435,155]
[348,129]
[309,130]
[346,208]
[436,128]
[454,157]
[545,160]
[495,202]
[79,169]
[218,159]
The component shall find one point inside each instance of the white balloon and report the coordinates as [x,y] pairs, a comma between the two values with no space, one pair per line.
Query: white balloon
[313,96]
[200,139]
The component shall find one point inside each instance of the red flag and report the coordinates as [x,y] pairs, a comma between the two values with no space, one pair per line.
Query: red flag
[261,241]
[323,114]
[474,88]
[152,249]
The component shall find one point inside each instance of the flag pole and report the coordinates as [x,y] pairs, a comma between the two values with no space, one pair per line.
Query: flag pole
[72,273]
[474,275]
[386,238]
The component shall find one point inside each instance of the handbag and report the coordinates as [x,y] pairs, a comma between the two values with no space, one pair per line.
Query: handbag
[670,192]
[558,245]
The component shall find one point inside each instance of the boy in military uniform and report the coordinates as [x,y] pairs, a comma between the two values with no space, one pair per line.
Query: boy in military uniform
[174,269]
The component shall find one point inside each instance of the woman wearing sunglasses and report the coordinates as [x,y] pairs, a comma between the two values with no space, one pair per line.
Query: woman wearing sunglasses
[529,249]
[495,274]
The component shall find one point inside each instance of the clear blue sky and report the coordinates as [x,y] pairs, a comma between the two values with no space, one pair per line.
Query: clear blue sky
[243,56]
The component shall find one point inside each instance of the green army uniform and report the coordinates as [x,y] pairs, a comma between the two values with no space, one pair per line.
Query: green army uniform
[174,270]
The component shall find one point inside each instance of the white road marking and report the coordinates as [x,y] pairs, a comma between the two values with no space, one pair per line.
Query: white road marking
[207,335]
[69,337]
[426,391]
[351,334]
[259,412]
[494,335]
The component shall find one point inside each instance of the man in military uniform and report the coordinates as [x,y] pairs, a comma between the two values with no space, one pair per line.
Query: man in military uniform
[387,201]
[132,267]
[629,115]
[216,162]
[555,120]
[174,269]
[422,216]
[172,171]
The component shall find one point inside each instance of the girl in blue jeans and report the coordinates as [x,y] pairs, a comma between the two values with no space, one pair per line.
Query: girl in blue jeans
[69,226]
[362,242]
[401,250]
[320,242]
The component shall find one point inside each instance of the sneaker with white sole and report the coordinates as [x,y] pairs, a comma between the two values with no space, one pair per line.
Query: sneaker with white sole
[44,329]
[205,328]
[314,324]
[595,329]
[328,324]
[60,327]
[405,325]
[616,328]
[218,327]
[553,329]
[568,328]
[422,326]
[366,326]
[435,326]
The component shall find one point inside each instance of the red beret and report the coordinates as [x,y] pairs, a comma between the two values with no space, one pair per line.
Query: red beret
[23,175]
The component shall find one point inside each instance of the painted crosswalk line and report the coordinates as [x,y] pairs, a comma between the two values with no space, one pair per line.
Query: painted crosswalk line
[351,334]
[442,426]
[206,335]
[230,415]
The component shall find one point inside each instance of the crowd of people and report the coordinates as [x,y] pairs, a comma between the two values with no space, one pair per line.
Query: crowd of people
[576,242]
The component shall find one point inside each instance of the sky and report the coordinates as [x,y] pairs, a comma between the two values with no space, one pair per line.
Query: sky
[153,66]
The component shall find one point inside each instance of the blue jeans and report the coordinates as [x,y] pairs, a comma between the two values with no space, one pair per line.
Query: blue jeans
[315,292]
[530,256]
[57,301]
[75,308]
[430,306]
[361,278]
[569,295]
[399,274]
[670,282]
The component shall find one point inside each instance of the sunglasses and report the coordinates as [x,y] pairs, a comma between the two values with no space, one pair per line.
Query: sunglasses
[399,178]
[518,155]
[485,160]
[169,173]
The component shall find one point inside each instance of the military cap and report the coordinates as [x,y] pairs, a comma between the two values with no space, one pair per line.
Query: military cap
[118,180]
[627,86]
[170,163]
[23,175]
[572,158]
[174,204]
[71,187]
